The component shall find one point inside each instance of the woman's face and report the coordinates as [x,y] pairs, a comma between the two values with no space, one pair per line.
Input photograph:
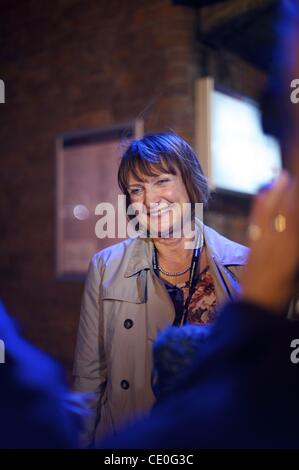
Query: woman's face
[163,198]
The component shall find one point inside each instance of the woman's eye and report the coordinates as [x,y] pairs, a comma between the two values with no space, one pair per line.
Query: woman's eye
[135,191]
[164,180]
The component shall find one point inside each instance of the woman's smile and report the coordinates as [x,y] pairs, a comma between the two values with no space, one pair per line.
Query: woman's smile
[160,211]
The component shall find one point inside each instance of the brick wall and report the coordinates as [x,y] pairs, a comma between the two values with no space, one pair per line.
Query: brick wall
[69,65]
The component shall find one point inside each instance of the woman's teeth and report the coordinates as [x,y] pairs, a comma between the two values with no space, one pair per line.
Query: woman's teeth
[159,211]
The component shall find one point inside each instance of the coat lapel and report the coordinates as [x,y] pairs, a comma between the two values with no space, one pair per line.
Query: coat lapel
[222,253]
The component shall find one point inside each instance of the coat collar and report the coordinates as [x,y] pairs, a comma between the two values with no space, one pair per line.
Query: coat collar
[141,256]
[225,251]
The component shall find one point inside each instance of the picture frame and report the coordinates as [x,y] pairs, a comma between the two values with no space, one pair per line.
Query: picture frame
[86,175]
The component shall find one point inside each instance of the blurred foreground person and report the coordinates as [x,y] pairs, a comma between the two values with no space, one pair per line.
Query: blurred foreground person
[36,410]
[173,352]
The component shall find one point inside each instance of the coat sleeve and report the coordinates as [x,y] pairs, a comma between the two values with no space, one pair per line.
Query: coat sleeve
[90,370]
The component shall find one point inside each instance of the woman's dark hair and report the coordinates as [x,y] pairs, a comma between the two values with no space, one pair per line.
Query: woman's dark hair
[163,152]
[174,352]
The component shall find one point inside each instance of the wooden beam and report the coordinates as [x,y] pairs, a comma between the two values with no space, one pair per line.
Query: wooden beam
[213,16]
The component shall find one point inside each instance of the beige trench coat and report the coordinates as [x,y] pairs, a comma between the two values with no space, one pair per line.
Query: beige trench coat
[124,306]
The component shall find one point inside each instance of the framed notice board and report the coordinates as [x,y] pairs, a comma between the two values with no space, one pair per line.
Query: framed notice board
[86,175]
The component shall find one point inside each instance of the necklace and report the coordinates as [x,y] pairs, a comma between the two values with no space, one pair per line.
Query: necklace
[181,317]
[179,273]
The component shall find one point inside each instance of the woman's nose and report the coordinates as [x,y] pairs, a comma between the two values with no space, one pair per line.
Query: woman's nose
[151,198]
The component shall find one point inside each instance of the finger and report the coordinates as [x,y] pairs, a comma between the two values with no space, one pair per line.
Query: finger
[288,206]
[271,208]
[266,204]
[274,197]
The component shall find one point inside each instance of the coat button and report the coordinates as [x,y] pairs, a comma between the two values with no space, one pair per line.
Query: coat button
[128,323]
[124,384]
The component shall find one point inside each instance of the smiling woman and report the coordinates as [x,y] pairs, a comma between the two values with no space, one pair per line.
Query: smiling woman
[138,286]
[163,198]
